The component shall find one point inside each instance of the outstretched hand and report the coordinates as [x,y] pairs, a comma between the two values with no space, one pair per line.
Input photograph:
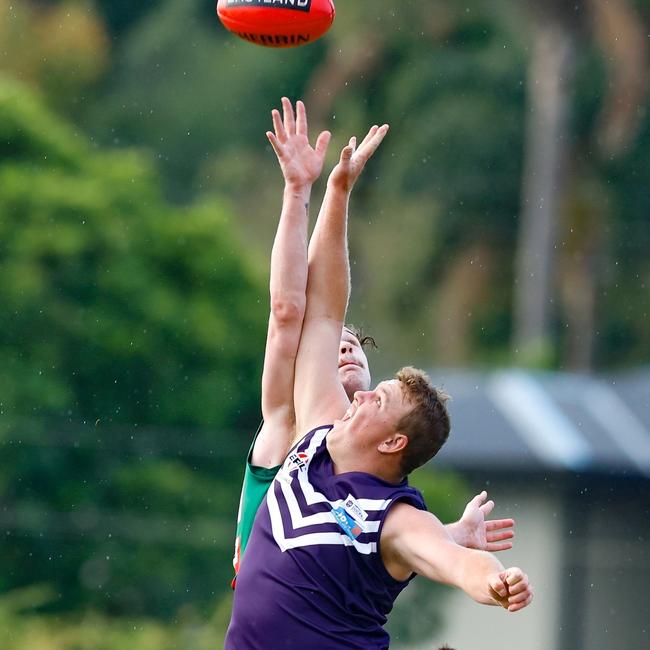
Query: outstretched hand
[353,159]
[511,589]
[301,163]
[482,534]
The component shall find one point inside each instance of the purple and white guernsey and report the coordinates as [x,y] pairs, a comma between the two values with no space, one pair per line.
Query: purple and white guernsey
[313,577]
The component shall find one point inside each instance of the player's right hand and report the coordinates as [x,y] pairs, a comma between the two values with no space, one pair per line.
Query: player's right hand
[301,163]
[511,589]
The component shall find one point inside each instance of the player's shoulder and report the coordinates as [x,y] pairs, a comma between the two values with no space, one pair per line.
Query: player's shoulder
[405,516]
[402,511]
[314,437]
[307,445]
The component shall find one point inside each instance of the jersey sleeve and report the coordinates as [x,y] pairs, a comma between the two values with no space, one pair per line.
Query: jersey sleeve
[254,488]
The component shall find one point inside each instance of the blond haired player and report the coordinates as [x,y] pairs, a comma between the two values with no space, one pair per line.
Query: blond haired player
[301,165]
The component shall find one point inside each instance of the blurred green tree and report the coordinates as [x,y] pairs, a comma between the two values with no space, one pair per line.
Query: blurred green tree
[60,47]
[201,80]
[435,223]
[564,212]
[122,15]
[20,629]
[114,305]
[118,313]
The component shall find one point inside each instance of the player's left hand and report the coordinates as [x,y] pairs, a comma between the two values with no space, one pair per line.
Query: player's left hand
[354,158]
[483,534]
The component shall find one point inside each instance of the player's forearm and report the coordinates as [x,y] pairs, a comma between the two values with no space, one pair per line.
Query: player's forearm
[288,279]
[474,572]
[328,288]
[317,388]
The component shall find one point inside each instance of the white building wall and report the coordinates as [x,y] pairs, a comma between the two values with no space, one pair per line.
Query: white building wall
[615,609]
[537,550]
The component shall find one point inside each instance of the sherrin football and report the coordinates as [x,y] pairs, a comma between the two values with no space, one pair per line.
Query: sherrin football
[277,23]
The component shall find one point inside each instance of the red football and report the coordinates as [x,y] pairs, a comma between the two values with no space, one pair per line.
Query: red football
[277,23]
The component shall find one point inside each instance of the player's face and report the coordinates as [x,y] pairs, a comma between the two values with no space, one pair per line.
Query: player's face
[372,417]
[353,364]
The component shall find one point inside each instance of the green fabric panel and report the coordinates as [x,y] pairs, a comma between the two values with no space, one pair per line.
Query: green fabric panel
[254,487]
[256,483]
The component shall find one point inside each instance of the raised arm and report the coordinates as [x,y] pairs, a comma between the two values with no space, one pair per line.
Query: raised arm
[301,165]
[415,541]
[319,397]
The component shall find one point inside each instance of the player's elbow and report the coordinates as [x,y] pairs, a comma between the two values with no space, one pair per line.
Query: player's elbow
[287,311]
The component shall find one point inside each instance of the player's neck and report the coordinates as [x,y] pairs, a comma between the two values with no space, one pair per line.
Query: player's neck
[379,469]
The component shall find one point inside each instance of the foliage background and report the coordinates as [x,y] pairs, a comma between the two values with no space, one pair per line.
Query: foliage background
[138,201]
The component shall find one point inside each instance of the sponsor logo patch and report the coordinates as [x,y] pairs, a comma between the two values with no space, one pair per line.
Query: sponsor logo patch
[349,526]
[298,460]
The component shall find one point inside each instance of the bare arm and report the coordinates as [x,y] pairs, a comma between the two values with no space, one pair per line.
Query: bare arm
[415,541]
[301,165]
[319,397]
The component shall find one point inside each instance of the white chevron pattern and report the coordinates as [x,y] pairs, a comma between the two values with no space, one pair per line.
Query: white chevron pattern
[312,497]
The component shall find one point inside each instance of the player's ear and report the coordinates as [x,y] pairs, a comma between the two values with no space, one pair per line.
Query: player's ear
[394,444]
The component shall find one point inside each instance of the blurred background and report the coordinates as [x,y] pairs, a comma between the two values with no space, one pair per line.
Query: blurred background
[500,238]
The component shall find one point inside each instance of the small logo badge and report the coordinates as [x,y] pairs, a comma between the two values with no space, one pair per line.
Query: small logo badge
[354,509]
[297,459]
